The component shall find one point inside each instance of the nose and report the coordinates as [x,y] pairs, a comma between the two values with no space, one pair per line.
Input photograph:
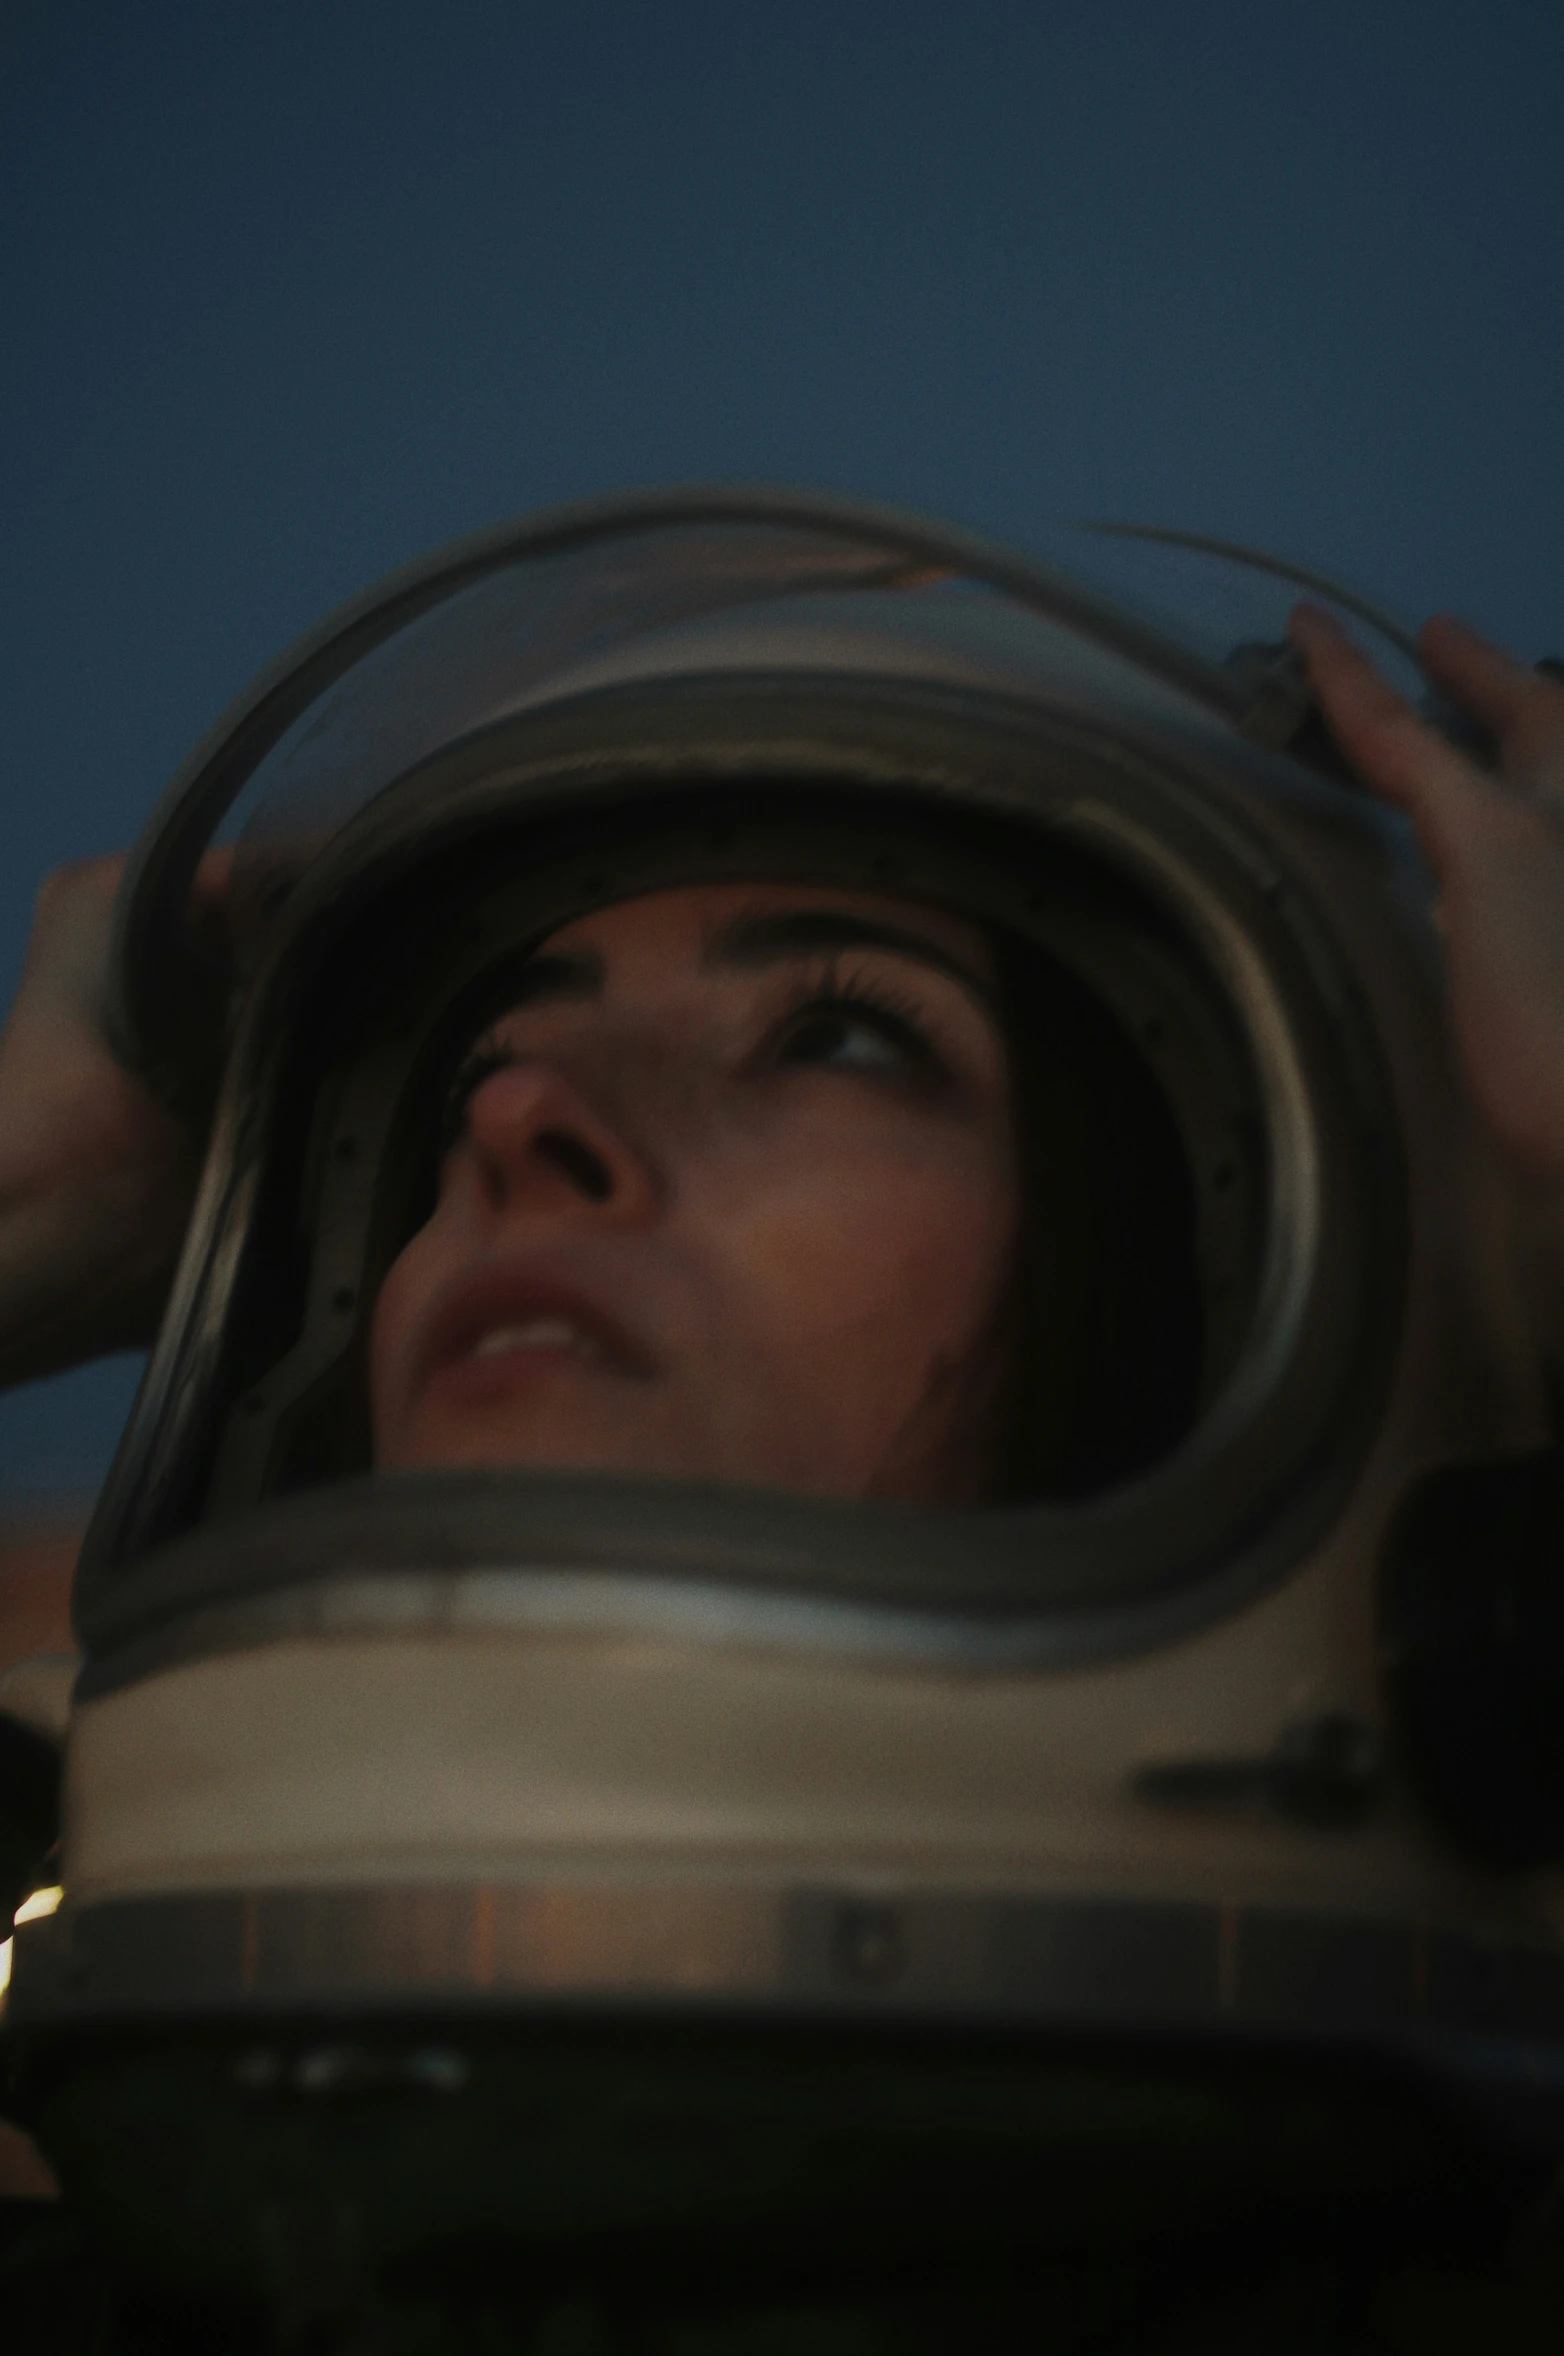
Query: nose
[540,1147]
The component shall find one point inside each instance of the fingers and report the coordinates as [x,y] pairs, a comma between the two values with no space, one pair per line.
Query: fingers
[1497,855]
[1394,751]
[68,947]
[208,915]
[1523,709]
[214,874]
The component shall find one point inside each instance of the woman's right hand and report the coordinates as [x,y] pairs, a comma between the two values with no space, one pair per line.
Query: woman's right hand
[96,1177]
[1494,841]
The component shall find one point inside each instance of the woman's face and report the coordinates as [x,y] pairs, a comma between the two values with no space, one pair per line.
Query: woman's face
[732,1194]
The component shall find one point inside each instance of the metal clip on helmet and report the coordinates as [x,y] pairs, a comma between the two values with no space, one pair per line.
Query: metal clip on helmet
[500,1800]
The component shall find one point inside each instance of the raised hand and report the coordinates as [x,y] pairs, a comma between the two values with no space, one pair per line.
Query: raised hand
[1495,844]
[96,1177]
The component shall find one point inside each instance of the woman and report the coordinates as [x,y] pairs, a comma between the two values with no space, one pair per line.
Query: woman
[95,1175]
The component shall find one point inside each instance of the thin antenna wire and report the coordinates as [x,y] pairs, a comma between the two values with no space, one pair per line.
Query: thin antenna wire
[1261,561]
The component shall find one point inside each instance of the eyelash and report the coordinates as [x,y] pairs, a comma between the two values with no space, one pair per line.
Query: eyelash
[899,1020]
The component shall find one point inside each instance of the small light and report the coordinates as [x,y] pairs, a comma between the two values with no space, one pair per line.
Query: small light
[5,1965]
[41,1902]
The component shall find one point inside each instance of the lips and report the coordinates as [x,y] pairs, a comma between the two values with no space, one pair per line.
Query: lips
[501,1326]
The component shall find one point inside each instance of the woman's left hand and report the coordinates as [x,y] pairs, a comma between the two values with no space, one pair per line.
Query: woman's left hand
[1495,844]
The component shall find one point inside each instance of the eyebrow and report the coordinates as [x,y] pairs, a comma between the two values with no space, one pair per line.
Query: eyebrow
[795,932]
[579,973]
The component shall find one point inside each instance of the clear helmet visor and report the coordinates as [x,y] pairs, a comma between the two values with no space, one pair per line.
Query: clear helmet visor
[649,588]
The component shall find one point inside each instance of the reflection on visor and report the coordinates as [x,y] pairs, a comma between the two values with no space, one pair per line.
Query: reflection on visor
[683,600]
[506,641]
[647,588]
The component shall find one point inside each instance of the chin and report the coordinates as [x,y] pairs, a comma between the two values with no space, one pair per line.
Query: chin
[535,1447]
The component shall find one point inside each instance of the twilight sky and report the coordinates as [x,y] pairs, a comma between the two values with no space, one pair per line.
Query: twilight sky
[293,291]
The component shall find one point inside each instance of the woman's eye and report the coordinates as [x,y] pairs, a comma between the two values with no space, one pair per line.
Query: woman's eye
[854,1039]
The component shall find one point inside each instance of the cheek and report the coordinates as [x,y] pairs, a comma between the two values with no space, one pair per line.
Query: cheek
[909,1236]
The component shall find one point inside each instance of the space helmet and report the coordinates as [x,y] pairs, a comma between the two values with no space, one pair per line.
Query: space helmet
[1195,1745]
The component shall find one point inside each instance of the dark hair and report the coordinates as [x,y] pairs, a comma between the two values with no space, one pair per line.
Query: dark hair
[1112,1338]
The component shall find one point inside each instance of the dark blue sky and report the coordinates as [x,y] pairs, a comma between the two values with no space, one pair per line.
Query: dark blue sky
[292,291]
